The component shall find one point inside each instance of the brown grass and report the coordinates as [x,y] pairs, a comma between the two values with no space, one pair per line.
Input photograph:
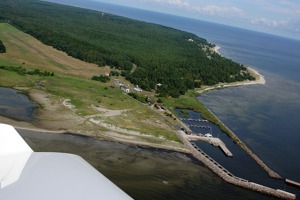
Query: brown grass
[28,51]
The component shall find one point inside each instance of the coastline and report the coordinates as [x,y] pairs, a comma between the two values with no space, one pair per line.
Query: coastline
[260,79]
[87,126]
[216,49]
[58,115]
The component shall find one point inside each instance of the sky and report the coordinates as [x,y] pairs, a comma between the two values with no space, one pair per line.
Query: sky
[279,17]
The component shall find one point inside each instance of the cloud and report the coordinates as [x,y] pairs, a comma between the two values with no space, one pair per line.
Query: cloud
[219,10]
[271,23]
[205,9]
[178,3]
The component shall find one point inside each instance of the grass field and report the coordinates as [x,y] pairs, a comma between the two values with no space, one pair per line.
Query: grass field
[22,49]
[72,81]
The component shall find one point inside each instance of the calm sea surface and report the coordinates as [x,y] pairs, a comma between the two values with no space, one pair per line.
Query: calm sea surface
[266,117]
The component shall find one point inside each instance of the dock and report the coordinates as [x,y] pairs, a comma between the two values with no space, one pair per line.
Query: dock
[219,143]
[213,141]
[198,126]
[194,120]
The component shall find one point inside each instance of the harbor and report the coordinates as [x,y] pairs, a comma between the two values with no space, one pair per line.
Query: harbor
[194,133]
[216,142]
[228,176]
[206,137]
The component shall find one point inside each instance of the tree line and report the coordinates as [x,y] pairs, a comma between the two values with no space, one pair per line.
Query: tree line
[2,47]
[174,59]
[22,71]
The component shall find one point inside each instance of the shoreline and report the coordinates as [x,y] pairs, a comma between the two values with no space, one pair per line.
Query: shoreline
[115,134]
[260,79]
[33,128]
[216,49]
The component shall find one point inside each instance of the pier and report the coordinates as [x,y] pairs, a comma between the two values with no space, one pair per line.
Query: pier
[213,141]
[198,126]
[194,120]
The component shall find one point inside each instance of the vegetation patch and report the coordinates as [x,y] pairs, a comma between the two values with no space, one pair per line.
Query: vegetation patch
[2,47]
[102,78]
[140,98]
[23,71]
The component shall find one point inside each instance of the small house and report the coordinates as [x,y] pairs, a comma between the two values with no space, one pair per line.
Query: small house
[107,73]
[124,88]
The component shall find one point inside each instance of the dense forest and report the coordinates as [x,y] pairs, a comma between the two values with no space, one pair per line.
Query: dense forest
[176,59]
[2,47]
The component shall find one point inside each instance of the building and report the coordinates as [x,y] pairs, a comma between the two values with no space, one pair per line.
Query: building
[137,88]
[124,88]
[107,73]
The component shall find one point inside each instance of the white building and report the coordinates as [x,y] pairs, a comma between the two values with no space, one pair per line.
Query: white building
[124,88]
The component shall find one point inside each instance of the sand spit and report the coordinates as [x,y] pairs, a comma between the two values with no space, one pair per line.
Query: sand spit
[260,79]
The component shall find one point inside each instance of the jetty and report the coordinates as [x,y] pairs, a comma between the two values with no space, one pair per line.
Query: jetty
[217,164]
[228,176]
[213,141]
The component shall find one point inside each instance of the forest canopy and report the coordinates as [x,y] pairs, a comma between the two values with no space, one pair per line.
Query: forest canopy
[174,59]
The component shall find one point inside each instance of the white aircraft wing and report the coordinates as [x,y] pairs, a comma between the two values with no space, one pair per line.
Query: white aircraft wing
[29,175]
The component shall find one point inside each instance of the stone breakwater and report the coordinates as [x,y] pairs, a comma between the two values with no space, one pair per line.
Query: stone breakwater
[232,179]
[243,146]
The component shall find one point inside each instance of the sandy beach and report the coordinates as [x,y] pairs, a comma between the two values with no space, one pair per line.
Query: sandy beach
[260,79]
[216,49]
